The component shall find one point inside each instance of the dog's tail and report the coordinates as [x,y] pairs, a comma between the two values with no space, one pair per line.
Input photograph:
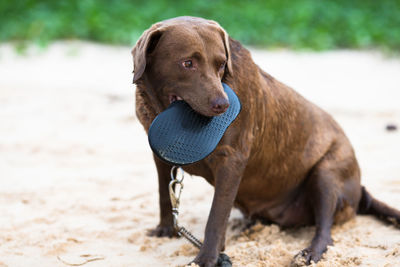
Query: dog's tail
[370,205]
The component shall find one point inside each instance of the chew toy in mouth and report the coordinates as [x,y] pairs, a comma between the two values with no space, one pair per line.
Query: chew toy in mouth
[180,136]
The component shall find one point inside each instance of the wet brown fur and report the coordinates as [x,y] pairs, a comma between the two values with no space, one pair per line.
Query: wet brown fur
[283,160]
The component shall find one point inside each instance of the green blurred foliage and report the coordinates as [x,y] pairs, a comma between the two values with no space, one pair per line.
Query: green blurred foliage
[297,24]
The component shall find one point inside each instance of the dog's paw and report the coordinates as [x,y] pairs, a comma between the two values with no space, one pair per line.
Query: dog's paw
[205,260]
[163,231]
[305,257]
[208,263]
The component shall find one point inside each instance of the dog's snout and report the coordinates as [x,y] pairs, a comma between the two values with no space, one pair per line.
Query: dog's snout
[219,105]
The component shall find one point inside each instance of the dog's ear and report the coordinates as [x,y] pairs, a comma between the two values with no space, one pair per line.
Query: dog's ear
[225,38]
[144,46]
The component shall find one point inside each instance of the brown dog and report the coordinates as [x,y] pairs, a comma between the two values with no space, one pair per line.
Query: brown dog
[283,160]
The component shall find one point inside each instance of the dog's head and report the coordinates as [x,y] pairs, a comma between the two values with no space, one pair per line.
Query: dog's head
[185,58]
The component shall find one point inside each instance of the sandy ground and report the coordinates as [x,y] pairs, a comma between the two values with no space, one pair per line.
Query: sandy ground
[77,182]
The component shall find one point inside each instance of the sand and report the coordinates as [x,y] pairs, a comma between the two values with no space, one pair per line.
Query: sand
[78,185]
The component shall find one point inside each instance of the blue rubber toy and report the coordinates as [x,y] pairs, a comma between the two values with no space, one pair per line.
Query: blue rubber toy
[180,136]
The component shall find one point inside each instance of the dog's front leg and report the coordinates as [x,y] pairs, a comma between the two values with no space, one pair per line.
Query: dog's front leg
[166,225]
[227,176]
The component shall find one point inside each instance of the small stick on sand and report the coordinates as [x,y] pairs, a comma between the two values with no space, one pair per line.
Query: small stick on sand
[82,263]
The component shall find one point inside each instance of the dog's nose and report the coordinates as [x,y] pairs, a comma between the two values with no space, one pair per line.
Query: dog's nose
[219,105]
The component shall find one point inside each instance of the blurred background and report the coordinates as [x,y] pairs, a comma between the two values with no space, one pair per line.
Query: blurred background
[77,180]
[301,24]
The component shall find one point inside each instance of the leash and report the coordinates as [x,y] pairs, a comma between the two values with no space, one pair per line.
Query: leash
[175,191]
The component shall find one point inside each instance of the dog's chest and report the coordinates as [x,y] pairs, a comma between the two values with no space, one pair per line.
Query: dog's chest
[144,109]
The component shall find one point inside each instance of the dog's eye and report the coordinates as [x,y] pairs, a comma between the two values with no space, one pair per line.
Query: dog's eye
[222,66]
[187,64]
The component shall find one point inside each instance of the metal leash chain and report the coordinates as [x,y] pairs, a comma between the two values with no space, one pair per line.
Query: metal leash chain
[175,201]
[175,195]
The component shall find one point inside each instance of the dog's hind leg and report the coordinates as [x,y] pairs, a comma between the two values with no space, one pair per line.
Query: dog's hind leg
[328,198]
[323,201]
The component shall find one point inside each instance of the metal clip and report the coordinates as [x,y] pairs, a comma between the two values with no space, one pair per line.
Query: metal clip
[175,193]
